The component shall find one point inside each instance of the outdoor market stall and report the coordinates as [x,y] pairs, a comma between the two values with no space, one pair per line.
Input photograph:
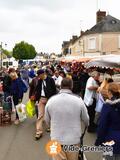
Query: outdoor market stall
[73,59]
[108,61]
[108,64]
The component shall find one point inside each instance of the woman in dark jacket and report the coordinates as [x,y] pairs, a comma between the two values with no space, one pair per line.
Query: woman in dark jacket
[7,82]
[109,124]
[16,91]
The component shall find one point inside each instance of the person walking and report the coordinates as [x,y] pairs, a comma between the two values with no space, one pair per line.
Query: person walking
[83,77]
[16,91]
[44,90]
[32,90]
[63,113]
[33,85]
[109,123]
[90,98]
[7,83]
[24,72]
[55,76]
[32,72]
[60,78]
[102,94]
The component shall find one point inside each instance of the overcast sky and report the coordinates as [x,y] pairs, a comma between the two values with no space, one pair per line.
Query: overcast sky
[47,23]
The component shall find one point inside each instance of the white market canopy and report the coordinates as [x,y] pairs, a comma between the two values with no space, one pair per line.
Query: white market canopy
[108,61]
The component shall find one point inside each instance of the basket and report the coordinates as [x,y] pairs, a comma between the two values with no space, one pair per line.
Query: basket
[7,106]
[5,118]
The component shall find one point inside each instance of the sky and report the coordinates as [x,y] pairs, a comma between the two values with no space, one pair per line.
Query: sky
[47,23]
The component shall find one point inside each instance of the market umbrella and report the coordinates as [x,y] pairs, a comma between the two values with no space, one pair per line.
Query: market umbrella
[109,61]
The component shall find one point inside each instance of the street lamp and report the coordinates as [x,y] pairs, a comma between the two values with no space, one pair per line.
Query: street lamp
[1,52]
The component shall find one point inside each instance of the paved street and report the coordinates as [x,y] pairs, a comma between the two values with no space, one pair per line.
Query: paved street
[17,142]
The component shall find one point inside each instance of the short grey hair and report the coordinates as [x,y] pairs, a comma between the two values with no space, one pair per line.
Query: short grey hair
[94,74]
[67,83]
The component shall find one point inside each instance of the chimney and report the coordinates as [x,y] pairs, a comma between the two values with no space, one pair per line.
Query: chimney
[100,15]
[81,33]
[74,37]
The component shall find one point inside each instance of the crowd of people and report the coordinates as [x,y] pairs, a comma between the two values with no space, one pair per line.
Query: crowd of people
[64,95]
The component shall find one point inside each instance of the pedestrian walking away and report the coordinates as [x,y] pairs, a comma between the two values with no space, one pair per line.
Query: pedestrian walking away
[63,113]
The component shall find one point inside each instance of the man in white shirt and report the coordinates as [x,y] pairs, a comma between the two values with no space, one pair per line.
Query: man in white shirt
[90,98]
[56,75]
[59,79]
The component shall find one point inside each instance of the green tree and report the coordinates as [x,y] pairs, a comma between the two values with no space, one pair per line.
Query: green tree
[24,50]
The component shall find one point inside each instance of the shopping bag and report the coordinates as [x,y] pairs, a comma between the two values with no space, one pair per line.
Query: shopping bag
[20,108]
[13,106]
[30,108]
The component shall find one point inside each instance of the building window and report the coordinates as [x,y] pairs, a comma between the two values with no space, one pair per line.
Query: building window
[65,51]
[92,43]
[119,41]
[70,51]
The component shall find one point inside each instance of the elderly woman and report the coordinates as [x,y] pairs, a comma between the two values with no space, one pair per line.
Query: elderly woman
[109,124]
[16,90]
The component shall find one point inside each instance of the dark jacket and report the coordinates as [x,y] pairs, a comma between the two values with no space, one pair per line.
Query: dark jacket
[76,84]
[109,125]
[16,90]
[83,77]
[24,74]
[33,86]
[49,89]
[31,73]
[6,83]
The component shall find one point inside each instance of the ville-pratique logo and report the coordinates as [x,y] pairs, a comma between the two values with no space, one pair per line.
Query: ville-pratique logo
[53,148]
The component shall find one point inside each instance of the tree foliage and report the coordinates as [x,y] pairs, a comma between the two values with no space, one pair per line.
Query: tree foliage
[24,50]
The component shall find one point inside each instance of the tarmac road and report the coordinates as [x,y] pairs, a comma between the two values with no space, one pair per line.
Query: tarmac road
[17,142]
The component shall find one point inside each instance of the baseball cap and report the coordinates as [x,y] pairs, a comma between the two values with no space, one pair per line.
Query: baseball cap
[40,71]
